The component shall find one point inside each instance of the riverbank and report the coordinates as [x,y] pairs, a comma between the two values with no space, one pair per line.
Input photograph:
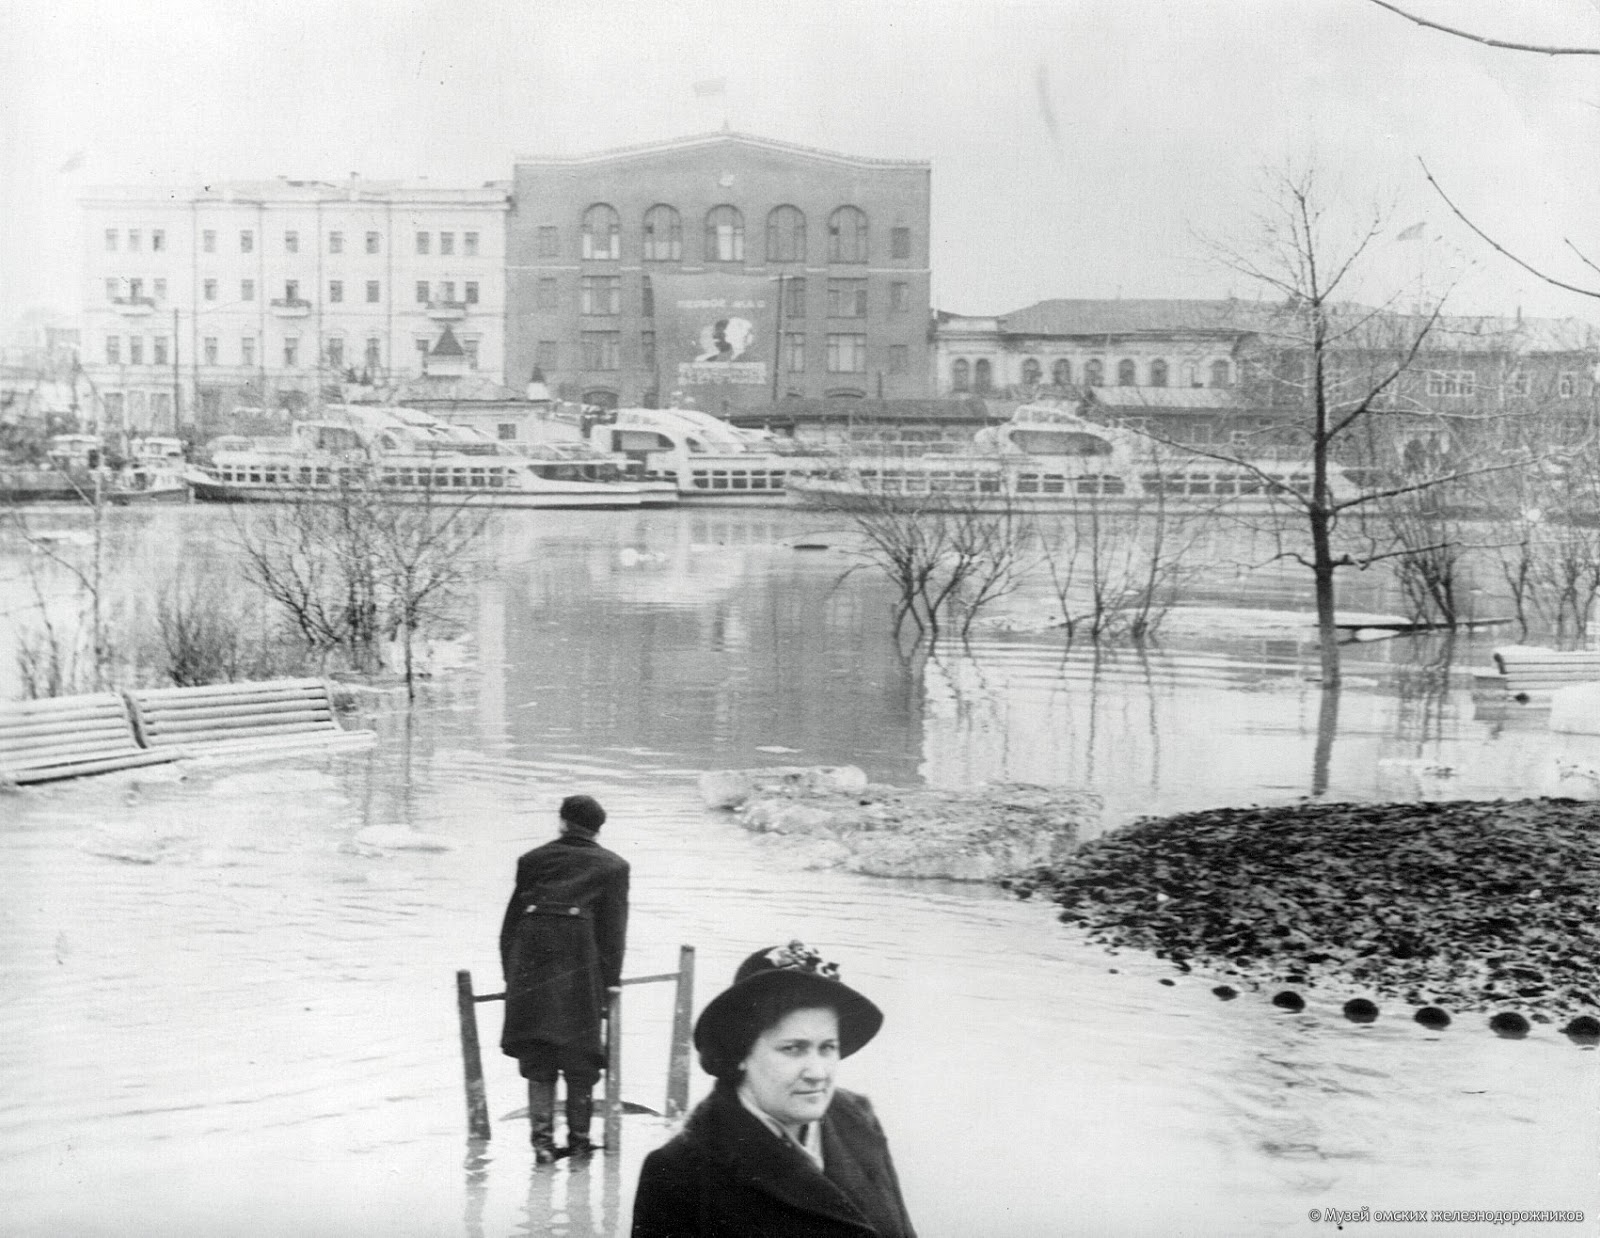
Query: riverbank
[1464,905]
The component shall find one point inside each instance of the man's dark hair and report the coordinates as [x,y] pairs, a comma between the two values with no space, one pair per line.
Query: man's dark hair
[583,811]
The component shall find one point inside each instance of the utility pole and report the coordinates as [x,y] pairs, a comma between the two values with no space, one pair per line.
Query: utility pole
[177,390]
[777,344]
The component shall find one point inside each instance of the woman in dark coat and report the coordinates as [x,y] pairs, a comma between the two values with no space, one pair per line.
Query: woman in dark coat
[777,1150]
[561,947]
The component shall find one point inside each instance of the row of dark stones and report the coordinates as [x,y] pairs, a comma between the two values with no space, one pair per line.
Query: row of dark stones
[1468,905]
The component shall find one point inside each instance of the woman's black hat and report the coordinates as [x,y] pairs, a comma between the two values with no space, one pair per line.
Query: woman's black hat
[794,976]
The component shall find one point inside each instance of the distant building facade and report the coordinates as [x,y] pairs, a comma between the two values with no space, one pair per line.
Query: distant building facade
[730,270]
[258,296]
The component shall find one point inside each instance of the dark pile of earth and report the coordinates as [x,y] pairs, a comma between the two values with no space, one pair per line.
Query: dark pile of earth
[1467,905]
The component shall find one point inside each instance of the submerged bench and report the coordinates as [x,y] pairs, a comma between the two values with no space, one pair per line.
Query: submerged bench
[65,736]
[1525,671]
[238,718]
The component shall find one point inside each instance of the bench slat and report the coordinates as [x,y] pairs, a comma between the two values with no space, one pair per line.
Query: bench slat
[49,773]
[32,750]
[183,738]
[182,726]
[33,721]
[9,734]
[248,688]
[202,710]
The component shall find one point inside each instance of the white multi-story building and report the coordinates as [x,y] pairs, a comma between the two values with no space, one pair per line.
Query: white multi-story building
[253,299]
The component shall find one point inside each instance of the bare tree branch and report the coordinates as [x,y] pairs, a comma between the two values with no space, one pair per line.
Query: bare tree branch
[1538,48]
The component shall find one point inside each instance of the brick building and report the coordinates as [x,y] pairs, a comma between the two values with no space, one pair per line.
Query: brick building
[732,270]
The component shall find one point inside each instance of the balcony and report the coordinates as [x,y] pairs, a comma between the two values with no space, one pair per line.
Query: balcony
[134,307]
[447,311]
[291,307]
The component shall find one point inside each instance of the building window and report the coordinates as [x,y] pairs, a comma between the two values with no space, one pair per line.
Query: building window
[422,292]
[210,349]
[158,350]
[506,431]
[1158,373]
[291,290]
[472,292]
[209,289]
[1221,374]
[602,234]
[794,351]
[136,350]
[112,287]
[335,290]
[111,240]
[423,347]
[469,244]
[373,291]
[847,354]
[663,235]
[602,350]
[546,355]
[847,298]
[847,235]
[447,243]
[1127,375]
[549,241]
[1566,386]
[335,350]
[724,234]
[1032,372]
[960,375]
[291,352]
[374,357]
[158,240]
[1061,372]
[113,350]
[982,375]
[291,242]
[899,242]
[545,295]
[899,358]
[336,242]
[899,298]
[447,291]
[786,235]
[208,241]
[600,294]
[794,297]
[247,350]
[135,289]
[1518,384]
[422,242]
[647,297]
[247,241]
[159,289]
[133,240]
[374,242]
[647,349]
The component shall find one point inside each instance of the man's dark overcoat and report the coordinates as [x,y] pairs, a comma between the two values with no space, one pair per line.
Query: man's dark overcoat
[561,945]
[726,1175]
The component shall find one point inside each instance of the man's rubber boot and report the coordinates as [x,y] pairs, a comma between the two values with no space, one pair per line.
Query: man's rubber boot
[580,1111]
[542,1119]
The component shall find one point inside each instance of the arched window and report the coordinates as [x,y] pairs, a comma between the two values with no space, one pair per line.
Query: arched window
[1061,372]
[1094,373]
[982,378]
[1221,374]
[600,397]
[1158,373]
[1126,376]
[602,233]
[663,235]
[960,375]
[1032,372]
[786,235]
[724,234]
[847,235]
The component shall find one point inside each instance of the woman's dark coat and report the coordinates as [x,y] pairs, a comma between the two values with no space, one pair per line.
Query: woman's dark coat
[728,1176]
[559,962]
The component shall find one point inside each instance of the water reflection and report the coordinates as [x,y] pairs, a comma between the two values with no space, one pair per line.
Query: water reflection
[574,1200]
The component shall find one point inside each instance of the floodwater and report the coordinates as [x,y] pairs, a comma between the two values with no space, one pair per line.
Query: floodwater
[229,1000]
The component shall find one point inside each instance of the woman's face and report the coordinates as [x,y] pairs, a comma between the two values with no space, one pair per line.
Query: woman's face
[789,1070]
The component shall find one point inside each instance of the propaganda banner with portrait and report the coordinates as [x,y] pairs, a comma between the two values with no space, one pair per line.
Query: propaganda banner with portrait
[715,333]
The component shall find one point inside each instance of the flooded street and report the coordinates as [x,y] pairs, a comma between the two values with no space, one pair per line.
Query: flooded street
[229,1000]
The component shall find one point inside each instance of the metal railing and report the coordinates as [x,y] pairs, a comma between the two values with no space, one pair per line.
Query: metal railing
[677,1100]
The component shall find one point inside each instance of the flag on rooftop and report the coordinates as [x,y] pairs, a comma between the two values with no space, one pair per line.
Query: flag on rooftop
[1413,233]
[711,86]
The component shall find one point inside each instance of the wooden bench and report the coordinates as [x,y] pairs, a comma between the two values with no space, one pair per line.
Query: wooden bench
[241,718]
[1526,671]
[64,736]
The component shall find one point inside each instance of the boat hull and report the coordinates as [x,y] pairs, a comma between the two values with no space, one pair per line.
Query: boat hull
[837,496]
[601,497]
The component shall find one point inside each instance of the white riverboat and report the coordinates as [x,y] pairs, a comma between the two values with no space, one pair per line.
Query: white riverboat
[413,457]
[704,458]
[1049,458]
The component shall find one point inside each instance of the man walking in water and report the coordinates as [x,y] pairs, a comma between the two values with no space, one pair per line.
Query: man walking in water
[561,947]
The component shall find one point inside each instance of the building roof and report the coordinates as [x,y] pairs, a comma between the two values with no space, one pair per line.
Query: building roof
[1166,399]
[447,345]
[723,138]
[1119,317]
[947,408]
[284,189]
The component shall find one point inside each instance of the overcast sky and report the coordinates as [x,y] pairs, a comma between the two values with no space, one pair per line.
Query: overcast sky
[1077,146]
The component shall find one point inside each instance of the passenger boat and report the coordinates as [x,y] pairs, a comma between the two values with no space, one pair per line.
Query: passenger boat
[704,458]
[76,471]
[1049,458]
[413,457]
